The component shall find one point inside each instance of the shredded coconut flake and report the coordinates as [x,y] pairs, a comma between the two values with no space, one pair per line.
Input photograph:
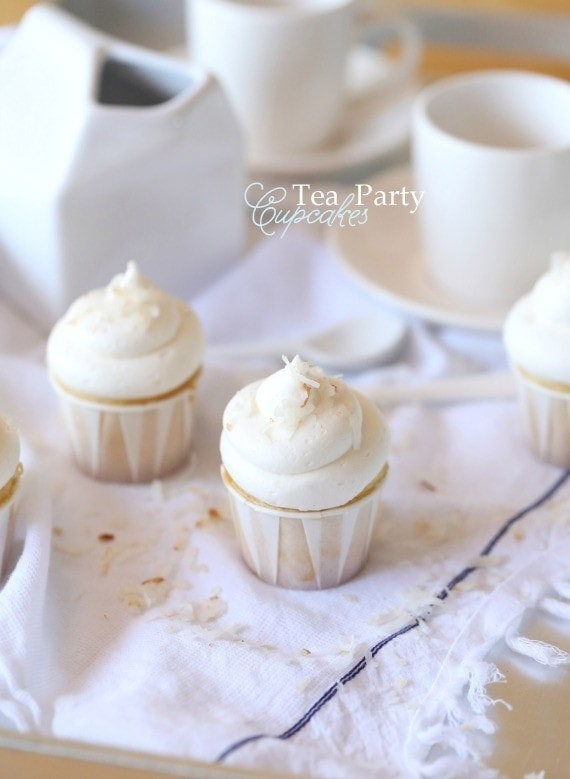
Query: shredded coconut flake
[299,368]
[468,585]
[487,561]
[201,612]
[151,592]
[117,553]
[210,609]
[181,540]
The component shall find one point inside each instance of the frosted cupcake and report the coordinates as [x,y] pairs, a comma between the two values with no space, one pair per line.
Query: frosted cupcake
[303,458]
[537,340]
[10,472]
[124,361]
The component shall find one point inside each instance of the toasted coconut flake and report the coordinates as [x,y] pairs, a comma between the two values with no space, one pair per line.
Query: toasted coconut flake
[150,593]
[201,612]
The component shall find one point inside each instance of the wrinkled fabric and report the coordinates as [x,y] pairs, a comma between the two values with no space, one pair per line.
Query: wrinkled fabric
[128,619]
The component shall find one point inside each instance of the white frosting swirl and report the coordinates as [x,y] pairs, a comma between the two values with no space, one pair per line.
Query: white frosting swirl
[128,340]
[302,440]
[9,451]
[537,328]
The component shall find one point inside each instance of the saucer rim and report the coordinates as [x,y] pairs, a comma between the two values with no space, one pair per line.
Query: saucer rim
[348,155]
[451,311]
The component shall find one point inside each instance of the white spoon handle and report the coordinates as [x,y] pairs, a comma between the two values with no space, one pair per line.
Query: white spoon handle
[249,349]
[479,386]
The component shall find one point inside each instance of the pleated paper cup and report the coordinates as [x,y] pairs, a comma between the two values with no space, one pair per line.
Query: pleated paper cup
[129,441]
[546,416]
[305,550]
[8,495]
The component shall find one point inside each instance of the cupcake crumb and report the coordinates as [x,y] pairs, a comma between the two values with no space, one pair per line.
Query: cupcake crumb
[422,527]
[202,612]
[181,541]
[116,553]
[427,485]
[106,538]
[213,519]
[154,580]
[431,531]
[57,531]
[466,586]
[152,592]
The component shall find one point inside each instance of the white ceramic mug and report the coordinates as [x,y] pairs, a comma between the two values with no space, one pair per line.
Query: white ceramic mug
[491,150]
[283,64]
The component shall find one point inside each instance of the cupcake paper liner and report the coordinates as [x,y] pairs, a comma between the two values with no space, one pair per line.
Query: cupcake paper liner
[6,528]
[129,443]
[6,532]
[305,550]
[546,416]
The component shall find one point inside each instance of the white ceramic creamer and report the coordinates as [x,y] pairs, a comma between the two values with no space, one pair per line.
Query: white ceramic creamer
[110,153]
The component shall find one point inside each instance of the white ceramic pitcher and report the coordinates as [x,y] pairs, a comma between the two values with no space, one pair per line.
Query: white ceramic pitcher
[109,153]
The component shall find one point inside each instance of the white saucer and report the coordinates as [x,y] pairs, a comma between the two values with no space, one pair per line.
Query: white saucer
[384,255]
[375,124]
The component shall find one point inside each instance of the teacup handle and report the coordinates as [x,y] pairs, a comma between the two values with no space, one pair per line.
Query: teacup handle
[380,32]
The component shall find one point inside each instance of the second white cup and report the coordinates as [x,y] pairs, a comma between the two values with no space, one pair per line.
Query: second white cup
[492,152]
[283,64]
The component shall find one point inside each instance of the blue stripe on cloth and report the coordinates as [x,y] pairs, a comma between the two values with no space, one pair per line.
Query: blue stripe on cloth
[330,693]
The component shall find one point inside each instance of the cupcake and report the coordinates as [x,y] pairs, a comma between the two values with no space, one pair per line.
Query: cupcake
[537,340]
[10,472]
[303,459]
[124,361]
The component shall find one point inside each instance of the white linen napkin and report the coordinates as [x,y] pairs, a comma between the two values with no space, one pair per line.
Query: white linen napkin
[138,626]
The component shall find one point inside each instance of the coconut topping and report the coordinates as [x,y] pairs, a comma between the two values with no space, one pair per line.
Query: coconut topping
[537,329]
[550,298]
[302,439]
[127,340]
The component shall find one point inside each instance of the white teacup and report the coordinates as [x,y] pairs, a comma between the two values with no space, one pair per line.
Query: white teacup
[283,64]
[491,151]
